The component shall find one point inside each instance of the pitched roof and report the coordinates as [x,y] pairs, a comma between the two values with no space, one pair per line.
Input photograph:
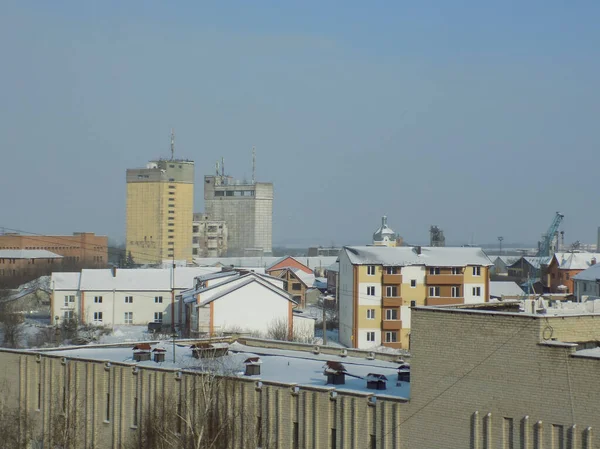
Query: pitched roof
[505,288]
[591,274]
[28,254]
[575,261]
[406,255]
[243,283]
[65,281]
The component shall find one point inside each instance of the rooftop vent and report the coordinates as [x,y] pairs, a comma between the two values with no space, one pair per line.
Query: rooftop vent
[252,366]
[159,354]
[335,372]
[141,352]
[376,381]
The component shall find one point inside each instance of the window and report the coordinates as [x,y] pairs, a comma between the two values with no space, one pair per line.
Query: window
[413,283]
[456,270]
[296,286]
[370,336]
[297,299]
[97,317]
[295,440]
[413,303]
[476,291]
[434,270]
[391,337]
[391,314]
[333,444]
[158,299]
[476,271]
[434,291]
[391,270]
[69,299]
[371,270]
[128,318]
[391,291]
[128,299]
[98,299]
[68,315]
[455,291]
[371,290]
[370,314]
[158,317]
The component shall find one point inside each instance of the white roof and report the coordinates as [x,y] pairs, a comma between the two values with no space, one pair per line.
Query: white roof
[28,254]
[591,274]
[307,279]
[575,261]
[242,282]
[262,262]
[140,279]
[406,255]
[505,288]
[65,281]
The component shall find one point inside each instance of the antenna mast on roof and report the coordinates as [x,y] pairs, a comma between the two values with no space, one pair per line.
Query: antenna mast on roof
[253,165]
[217,165]
[222,166]
[172,144]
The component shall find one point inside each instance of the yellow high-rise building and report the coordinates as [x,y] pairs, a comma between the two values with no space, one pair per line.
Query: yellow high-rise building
[160,201]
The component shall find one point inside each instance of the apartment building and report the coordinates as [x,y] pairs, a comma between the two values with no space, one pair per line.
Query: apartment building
[247,208]
[209,237]
[160,201]
[378,286]
[121,296]
[82,249]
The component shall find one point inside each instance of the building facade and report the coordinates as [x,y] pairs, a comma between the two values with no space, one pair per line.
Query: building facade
[379,285]
[82,249]
[20,266]
[160,201]
[209,237]
[246,208]
[564,266]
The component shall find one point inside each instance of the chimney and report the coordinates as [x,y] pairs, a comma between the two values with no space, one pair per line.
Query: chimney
[417,250]
[593,261]
[114,271]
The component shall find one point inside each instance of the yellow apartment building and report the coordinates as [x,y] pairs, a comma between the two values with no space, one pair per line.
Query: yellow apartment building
[378,286]
[160,201]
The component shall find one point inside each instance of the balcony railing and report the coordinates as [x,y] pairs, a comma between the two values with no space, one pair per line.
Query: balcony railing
[391,301]
[391,325]
[392,278]
[443,301]
[444,279]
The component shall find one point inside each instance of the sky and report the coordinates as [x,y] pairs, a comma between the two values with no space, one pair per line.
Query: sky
[476,116]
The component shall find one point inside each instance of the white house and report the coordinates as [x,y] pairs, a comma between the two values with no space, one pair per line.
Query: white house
[249,302]
[587,283]
[121,296]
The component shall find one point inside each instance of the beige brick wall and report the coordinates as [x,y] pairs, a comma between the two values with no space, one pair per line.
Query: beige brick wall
[473,374]
[355,417]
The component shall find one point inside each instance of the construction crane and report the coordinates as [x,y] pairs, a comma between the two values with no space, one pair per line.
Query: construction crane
[548,237]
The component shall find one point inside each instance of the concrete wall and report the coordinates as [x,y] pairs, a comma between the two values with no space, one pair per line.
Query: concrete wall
[483,380]
[110,403]
[346,300]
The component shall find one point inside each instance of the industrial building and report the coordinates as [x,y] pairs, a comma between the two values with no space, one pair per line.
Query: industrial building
[209,237]
[160,201]
[246,208]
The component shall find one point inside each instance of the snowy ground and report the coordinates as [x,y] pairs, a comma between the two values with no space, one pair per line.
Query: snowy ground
[302,368]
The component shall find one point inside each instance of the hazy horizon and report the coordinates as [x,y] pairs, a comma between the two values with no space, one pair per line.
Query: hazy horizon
[478,118]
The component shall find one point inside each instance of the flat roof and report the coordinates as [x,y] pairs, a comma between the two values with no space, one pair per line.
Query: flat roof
[277,365]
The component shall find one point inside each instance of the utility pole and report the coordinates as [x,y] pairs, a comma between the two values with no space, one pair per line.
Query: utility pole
[500,242]
[324,321]
[253,165]
[172,144]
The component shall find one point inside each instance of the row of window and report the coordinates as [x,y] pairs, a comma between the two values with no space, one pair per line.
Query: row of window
[389,337]
[390,314]
[432,270]
[127,318]
[128,299]
[4,272]
[392,291]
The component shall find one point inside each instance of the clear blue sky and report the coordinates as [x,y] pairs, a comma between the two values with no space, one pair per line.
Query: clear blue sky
[480,117]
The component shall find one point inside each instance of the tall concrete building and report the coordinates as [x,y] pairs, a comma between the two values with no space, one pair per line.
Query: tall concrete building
[160,201]
[247,208]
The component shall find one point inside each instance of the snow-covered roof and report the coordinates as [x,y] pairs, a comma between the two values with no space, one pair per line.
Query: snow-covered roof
[263,262]
[65,281]
[28,254]
[507,260]
[384,233]
[294,367]
[333,267]
[140,279]
[406,255]
[243,282]
[305,278]
[591,274]
[505,288]
[576,261]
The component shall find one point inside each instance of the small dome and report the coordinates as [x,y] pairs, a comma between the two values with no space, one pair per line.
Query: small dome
[384,233]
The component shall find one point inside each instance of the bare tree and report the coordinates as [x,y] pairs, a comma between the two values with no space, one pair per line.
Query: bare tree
[11,321]
[278,330]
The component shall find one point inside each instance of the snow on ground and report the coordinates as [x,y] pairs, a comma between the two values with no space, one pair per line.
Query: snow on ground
[302,368]
[123,334]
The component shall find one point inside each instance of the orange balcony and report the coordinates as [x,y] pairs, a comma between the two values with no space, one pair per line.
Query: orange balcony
[392,301]
[391,325]
[444,279]
[392,279]
[443,301]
